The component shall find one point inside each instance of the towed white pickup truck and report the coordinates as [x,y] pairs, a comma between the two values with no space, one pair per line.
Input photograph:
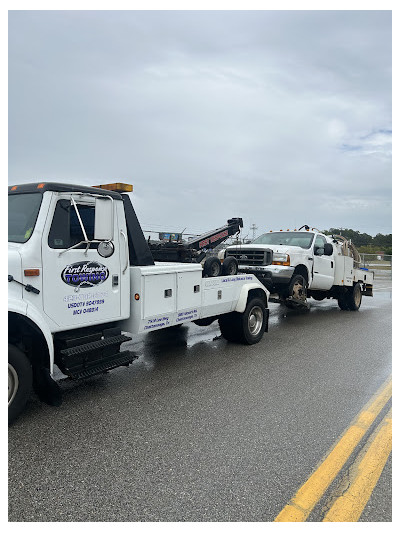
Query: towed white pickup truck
[305,262]
[81,274]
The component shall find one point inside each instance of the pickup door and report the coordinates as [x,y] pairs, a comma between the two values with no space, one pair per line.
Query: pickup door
[323,266]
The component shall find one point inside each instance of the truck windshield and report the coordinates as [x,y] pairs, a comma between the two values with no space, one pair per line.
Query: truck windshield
[288,238]
[23,210]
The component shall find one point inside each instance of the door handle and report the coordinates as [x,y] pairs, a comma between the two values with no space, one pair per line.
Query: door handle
[126,251]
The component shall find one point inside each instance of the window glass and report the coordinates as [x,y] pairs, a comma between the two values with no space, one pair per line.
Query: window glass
[66,230]
[288,238]
[319,242]
[23,210]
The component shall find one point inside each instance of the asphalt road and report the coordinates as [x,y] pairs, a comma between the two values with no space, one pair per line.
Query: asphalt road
[199,429]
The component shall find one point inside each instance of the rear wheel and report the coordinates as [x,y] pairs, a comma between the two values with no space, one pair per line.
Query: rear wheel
[19,381]
[354,297]
[247,327]
[342,302]
[230,266]
[211,267]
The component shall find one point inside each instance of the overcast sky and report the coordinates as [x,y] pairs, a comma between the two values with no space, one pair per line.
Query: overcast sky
[282,118]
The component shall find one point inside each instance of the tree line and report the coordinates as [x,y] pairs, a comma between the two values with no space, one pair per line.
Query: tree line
[364,242]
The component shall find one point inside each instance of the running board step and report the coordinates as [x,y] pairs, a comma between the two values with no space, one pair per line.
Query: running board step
[99,367]
[95,345]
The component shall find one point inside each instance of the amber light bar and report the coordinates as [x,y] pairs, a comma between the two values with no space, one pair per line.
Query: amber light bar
[115,187]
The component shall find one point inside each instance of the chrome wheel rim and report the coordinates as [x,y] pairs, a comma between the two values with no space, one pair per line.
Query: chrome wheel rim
[255,320]
[12,383]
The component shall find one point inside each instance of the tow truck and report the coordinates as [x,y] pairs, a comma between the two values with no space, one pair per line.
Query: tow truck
[83,281]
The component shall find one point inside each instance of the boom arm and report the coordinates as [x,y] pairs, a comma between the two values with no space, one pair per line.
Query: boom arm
[193,251]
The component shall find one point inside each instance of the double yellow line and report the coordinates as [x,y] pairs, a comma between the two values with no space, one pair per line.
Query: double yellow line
[364,473]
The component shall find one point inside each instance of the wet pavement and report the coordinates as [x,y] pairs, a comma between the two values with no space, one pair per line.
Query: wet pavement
[199,429]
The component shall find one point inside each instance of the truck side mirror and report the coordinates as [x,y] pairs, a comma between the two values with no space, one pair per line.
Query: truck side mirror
[104,219]
[328,248]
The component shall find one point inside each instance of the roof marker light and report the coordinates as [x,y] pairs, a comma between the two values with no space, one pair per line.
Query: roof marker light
[116,187]
[40,186]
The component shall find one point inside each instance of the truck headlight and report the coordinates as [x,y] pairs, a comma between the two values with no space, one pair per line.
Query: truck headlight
[281,259]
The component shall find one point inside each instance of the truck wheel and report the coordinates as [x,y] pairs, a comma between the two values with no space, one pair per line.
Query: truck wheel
[211,267]
[19,381]
[253,321]
[229,325]
[298,288]
[230,266]
[342,302]
[354,298]
[319,295]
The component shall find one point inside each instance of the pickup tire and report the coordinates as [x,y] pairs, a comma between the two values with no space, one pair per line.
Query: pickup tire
[230,266]
[211,267]
[247,327]
[297,290]
[354,298]
[19,381]
[342,302]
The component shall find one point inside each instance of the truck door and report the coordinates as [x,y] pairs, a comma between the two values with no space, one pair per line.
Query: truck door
[80,287]
[323,268]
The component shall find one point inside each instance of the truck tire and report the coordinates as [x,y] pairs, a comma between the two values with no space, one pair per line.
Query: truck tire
[19,381]
[230,266]
[354,297]
[253,321]
[247,327]
[319,295]
[211,267]
[229,325]
[297,290]
[342,302]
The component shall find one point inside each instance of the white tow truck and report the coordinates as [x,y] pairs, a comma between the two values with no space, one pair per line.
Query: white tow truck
[81,274]
[305,262]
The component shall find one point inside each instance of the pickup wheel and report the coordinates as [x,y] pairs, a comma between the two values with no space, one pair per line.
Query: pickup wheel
[211,267]
[19,381]
[247,327]
[354,297]
[230,266]
[342,302]
[297,290]
[319,295]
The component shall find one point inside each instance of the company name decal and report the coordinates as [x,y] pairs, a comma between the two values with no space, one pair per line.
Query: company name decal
[213,238]
[84,274]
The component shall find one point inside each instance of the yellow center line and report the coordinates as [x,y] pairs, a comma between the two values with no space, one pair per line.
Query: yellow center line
[304,501]
[349,506]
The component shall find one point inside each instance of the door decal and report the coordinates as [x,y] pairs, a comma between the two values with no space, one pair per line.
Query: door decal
[84,274]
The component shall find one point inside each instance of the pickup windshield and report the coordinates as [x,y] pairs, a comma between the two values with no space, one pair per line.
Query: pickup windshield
[23,210]
[288,238]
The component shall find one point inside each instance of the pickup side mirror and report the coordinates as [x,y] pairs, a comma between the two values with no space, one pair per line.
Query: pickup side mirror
[328,248]
[104,219]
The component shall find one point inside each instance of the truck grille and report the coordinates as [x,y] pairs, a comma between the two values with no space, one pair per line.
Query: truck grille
[251,257]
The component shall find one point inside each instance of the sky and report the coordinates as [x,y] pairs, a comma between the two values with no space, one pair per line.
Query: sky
[282,118]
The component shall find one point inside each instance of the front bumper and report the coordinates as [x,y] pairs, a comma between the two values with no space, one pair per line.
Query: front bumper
[271,274]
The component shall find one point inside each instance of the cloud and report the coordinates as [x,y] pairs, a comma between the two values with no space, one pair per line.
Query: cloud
[265,115]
